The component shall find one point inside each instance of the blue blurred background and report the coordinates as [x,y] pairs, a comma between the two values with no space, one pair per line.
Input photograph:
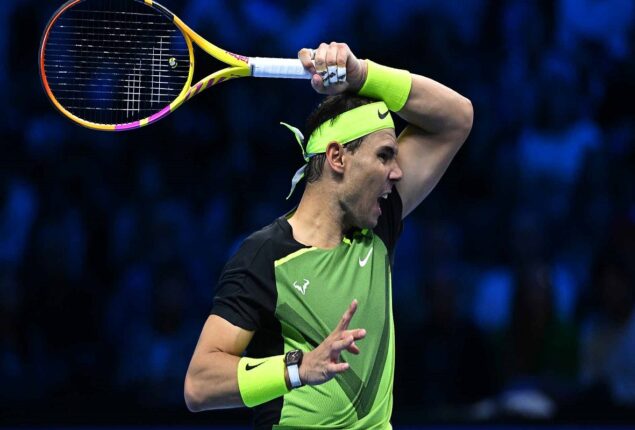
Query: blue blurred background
[514,281]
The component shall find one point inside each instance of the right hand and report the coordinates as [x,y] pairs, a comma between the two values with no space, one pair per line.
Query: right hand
[323,363]
[333,58]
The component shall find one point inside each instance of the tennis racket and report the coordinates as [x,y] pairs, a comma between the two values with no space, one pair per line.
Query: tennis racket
[122,64]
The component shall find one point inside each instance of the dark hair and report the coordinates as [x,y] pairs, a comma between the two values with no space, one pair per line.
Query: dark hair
[331,107]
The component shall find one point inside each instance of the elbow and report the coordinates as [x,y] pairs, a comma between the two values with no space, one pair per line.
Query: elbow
[468,116]
[192,398]
[459,126]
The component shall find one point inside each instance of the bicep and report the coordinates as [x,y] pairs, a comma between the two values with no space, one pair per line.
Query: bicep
[219,335]
[423,159]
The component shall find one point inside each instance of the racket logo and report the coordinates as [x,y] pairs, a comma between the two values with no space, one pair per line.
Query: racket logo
[238,57]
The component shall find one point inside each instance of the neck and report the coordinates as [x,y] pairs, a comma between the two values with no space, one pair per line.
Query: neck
[319,219]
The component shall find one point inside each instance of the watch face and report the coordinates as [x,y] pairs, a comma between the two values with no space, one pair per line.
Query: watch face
[294,357]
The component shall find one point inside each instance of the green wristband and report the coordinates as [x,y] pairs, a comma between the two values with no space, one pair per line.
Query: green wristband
[261,379]
[387,84]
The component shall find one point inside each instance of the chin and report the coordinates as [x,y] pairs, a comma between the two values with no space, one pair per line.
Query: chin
[368,223]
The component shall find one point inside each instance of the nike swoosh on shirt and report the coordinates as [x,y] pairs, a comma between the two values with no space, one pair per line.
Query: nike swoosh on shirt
[363,262]
[382,115]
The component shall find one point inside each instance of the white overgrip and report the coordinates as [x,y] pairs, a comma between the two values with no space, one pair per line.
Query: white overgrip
[289,68]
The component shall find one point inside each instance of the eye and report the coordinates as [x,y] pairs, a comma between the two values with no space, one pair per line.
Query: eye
[384,156]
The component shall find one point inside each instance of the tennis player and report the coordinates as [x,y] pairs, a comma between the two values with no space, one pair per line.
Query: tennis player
[301,329]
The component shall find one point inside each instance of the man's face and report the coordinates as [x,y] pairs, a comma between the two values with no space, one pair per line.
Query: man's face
[369,175]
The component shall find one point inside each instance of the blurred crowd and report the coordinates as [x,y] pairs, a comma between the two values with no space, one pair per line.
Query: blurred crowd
[514,282]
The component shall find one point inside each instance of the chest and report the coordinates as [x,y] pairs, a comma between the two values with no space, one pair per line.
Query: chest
[315,287]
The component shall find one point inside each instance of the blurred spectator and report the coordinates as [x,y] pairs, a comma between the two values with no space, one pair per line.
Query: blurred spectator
[539,350]
[452,362]
[17,215]
[148,324]
[607,23]
[538,344]
[608,334]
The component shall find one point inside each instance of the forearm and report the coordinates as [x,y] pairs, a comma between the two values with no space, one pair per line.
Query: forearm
[211,382]
[430,106]
[437,109]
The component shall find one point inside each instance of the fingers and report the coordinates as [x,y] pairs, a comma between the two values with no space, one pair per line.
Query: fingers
[340,345]
[346,318]
[342,58]
[306,56]
[347,342]
[337,367]
[330,65]
[357,334]
[353,349]
[320,64]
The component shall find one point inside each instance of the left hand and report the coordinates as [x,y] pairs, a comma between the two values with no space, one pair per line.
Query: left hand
[334,67]
[323,363]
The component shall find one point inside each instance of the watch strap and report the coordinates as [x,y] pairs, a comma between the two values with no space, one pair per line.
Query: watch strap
[293,360]
[294,376]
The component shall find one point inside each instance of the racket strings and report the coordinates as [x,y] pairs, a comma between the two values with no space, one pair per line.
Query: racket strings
[114,62]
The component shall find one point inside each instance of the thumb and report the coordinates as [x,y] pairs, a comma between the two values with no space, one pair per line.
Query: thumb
[316,83]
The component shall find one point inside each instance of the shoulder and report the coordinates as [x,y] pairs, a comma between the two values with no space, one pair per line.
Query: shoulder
[268,244]
[246,291]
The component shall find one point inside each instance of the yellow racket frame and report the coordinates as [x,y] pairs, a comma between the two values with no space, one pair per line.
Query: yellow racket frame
[239,67]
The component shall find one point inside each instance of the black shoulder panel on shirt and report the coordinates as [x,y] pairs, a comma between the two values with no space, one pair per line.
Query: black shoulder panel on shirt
[246,291]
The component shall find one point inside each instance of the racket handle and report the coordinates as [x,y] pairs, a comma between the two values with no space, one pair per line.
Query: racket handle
[289,68]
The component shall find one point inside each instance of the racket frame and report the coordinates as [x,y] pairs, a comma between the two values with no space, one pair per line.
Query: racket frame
[238,67]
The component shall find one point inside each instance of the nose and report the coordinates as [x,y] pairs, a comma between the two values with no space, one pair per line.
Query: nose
[395,173]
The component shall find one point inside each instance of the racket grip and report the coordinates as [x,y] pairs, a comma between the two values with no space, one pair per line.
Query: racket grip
[289,68]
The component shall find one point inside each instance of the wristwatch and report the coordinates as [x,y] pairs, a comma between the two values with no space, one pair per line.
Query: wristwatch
[292,360]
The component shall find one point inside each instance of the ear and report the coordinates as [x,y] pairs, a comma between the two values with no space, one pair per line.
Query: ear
[335,157]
